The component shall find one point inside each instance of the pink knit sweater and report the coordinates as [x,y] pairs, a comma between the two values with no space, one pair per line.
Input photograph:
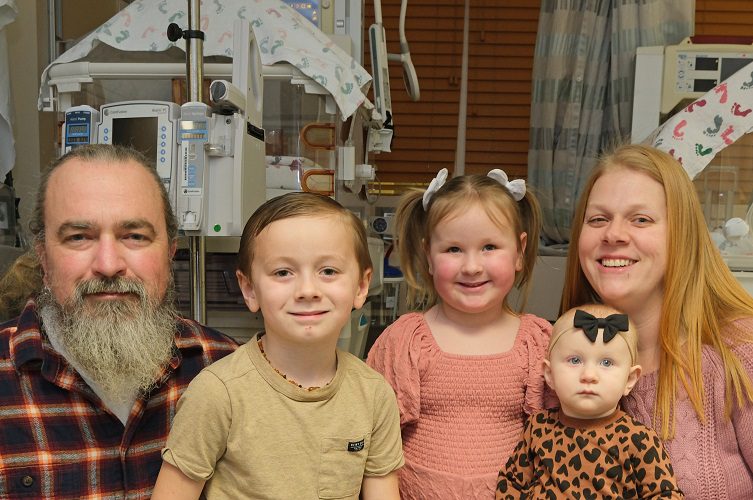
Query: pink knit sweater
[461,415]
[711,461]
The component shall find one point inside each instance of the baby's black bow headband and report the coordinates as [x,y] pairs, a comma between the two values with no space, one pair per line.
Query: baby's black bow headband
[590,325]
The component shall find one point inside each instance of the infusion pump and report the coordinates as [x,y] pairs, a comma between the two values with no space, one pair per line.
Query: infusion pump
[210,159]
[148,126]
[668,78]
[211,164]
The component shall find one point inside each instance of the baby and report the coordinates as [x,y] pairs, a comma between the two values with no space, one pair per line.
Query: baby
[589,448]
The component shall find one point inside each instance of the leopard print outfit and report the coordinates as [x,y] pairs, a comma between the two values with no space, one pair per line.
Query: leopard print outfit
[607,458]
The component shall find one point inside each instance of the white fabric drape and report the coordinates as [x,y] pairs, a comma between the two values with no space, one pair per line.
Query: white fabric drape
[281,32]
[8,12]
[582,92]
[699,131]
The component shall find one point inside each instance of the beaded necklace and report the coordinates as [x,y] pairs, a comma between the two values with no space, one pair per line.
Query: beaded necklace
[313,388]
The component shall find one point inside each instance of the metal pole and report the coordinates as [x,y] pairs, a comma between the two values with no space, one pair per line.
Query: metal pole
[195,52]
[463,106]
[52,28]
[197,270]
[196,244]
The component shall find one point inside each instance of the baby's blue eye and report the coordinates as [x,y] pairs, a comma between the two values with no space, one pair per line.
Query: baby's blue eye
[606,363]
[573,360]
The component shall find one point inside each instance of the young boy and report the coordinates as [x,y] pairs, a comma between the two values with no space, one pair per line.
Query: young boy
[589,448]
[288,415]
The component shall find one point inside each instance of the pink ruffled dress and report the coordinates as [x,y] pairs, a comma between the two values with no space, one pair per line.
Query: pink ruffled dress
[461,415]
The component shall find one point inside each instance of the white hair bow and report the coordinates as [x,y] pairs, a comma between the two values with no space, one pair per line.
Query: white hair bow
[517,187]
[436,183]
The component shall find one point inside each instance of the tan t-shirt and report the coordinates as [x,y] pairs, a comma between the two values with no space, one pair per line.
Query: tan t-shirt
[251,434]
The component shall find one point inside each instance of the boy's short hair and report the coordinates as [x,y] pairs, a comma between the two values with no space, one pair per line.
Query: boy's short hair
[301,204]
[564,325]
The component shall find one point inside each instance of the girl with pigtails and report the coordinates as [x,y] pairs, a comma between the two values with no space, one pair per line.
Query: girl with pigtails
[467,369]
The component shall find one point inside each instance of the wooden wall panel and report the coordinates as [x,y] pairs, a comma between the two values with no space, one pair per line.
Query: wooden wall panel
[724,17]
[502,36]
[502,41]
[425,131]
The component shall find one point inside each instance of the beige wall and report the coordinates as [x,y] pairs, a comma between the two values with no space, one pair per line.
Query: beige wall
[74,25]
[36,132]
[33,130]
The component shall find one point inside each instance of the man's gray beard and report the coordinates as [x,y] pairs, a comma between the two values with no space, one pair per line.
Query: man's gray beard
[122,345]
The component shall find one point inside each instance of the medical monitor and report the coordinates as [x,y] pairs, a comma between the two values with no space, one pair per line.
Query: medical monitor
[147,126]
[138,133]
[669,78]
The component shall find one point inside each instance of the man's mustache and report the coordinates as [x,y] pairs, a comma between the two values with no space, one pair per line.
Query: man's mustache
[116,284]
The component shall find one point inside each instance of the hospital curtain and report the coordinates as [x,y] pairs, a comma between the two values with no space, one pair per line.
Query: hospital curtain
[582,90]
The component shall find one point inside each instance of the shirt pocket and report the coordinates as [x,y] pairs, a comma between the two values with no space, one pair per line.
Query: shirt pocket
[343,460]
[43,481]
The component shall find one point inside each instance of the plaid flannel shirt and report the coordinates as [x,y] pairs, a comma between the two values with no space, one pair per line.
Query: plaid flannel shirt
[57,440]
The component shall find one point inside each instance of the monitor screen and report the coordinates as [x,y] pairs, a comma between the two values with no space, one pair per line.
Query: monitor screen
[138,133]
[731,65]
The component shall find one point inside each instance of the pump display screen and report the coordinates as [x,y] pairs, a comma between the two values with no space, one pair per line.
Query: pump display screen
[82,129]
[138,133]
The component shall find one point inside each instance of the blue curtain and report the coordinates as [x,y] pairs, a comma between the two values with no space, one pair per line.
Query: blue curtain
[582,92]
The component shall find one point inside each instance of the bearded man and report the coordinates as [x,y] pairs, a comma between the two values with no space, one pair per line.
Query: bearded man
[92,369]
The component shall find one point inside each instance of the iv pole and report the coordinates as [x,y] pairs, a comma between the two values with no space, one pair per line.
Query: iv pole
[194,79]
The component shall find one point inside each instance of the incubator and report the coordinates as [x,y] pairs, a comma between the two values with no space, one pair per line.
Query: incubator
[302,141]
[725,188]
[685,88]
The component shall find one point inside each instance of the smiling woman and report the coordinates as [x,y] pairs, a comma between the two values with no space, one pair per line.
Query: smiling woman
[640,244]
[623,241]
